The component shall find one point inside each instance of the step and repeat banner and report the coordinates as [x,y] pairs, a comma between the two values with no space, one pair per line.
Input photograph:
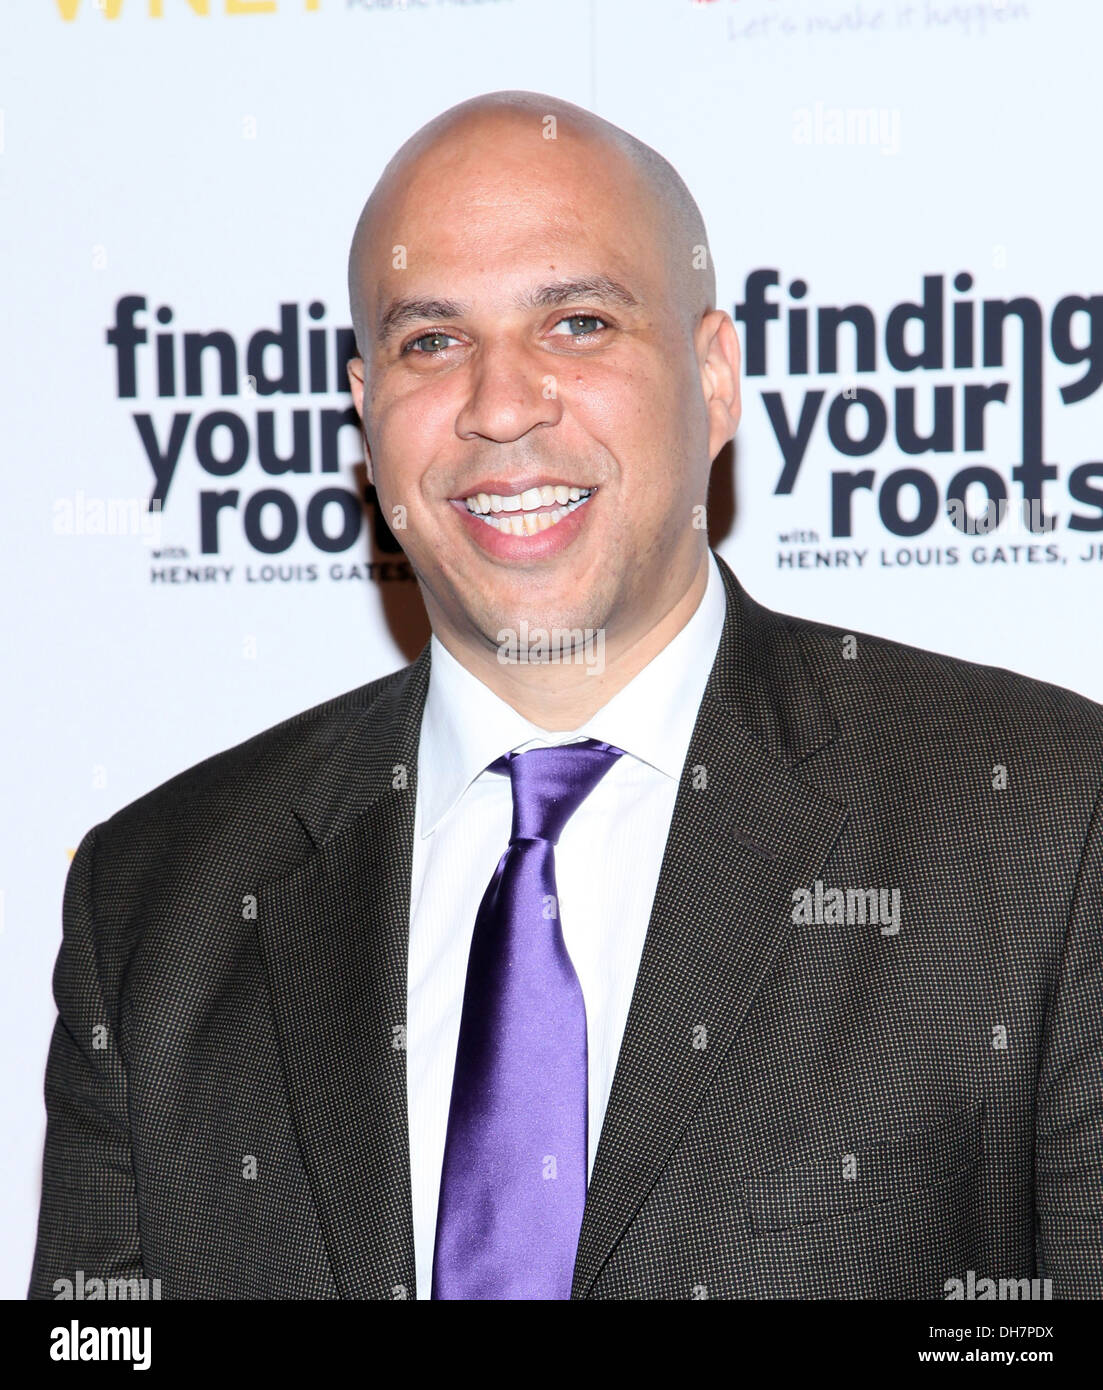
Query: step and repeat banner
[903,204]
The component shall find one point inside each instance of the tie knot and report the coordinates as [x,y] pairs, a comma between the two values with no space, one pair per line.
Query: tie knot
[550,784]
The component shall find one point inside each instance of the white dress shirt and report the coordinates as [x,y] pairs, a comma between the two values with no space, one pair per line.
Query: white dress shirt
[606,866]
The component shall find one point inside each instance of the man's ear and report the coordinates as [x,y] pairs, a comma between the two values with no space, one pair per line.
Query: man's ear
[356,385]
[718,353]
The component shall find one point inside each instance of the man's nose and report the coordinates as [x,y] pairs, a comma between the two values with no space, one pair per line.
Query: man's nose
[511,393]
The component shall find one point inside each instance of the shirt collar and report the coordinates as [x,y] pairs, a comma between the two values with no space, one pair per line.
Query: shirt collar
[465,726]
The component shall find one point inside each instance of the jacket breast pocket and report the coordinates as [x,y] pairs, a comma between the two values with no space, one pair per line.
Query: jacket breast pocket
[866,1173]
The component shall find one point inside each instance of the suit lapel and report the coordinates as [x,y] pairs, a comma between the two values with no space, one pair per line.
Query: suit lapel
[746,831]
[334,936]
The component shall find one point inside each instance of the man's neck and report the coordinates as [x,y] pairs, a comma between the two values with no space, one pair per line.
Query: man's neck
[562,695]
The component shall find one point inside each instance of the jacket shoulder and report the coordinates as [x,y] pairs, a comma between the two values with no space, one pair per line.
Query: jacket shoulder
[240,795]
[868,677]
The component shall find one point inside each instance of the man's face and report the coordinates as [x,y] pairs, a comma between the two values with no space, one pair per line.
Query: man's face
[525,332]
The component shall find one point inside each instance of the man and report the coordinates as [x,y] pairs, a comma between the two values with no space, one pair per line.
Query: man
[701,951]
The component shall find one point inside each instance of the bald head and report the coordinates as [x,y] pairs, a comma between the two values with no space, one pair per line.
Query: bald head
[544,381]
[541,140]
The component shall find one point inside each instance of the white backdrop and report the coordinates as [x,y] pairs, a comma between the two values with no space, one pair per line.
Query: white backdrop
[207,160]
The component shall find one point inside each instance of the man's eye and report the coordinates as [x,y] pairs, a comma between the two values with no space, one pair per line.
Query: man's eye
[580,325]
[435,341]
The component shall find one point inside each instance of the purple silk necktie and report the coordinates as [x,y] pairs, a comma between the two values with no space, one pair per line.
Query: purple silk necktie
[513,1182]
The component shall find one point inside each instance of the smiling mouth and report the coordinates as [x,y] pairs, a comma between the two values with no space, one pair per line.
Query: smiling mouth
[526,513]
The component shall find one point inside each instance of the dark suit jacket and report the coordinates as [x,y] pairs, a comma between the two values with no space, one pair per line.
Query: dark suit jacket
[799,1109]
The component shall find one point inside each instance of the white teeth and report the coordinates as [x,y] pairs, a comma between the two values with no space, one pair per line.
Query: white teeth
[531,523]
[482,503]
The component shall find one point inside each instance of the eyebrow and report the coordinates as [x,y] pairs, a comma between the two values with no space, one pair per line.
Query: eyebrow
[400,312]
